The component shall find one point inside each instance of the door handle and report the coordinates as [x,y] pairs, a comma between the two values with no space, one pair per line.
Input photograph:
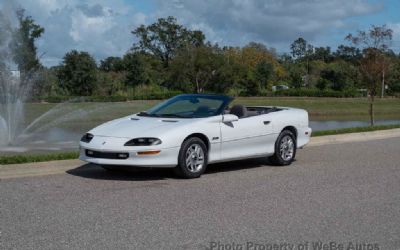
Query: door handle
[267,122]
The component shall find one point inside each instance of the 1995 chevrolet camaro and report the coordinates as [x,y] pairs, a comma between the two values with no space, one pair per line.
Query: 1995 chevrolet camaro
[189,131]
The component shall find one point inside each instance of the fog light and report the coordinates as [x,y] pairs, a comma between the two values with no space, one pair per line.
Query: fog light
[123,155]
[89,152]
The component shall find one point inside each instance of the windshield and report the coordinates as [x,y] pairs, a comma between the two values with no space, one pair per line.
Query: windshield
[189,106]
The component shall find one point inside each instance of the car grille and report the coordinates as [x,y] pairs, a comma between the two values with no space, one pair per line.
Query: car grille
[106,155]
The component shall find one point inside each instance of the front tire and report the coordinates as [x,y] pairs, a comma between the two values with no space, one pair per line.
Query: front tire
[192,159]
[285,149]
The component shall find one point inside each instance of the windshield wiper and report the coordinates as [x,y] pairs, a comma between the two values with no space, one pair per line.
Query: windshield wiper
[173,115]
[144,113]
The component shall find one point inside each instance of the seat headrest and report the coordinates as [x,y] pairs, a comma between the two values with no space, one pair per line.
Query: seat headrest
[239,110]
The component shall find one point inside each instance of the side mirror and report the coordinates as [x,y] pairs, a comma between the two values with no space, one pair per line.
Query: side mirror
[229,118]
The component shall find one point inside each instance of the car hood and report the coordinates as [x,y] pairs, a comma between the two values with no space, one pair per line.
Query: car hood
[138,126]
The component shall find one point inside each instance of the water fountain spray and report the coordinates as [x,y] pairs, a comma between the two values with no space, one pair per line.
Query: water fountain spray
[57,128]
[10,86]
[14,87]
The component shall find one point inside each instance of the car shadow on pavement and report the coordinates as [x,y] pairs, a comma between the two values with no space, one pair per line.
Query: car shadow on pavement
[93,171]
[239,165]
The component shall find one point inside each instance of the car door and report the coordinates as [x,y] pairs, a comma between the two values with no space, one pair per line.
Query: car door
[246,137]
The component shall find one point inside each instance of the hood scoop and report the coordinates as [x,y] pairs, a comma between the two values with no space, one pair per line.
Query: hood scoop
[134,119]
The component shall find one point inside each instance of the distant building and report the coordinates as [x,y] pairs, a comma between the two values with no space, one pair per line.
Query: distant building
[279,87]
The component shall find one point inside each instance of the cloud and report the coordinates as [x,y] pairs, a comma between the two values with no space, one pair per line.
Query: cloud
[271,21]
[103,27]
[94,11]
[395,45]
[100,27]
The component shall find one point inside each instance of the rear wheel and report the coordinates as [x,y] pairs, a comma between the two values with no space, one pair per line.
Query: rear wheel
[285,149]
[192,159]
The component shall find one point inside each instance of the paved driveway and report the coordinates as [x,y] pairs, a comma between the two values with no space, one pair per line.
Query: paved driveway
[337,194]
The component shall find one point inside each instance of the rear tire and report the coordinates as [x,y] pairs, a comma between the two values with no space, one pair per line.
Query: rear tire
[192,159]
[285,149]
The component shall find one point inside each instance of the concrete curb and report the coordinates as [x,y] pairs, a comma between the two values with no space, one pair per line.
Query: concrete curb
[38,168]
[353,137]
[60,167]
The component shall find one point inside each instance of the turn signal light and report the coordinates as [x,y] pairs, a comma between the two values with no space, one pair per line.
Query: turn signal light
[151,152]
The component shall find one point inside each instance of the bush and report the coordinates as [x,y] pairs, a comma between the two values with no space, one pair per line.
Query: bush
[57,98]
[151,91]
[317,93]
[235,91]
[141,92]
[18,159]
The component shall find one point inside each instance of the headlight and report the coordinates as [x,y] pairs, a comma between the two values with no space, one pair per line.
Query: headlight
[87,138]
[143,142]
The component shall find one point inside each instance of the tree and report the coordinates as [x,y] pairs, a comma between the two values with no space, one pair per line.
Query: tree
[194,68]
[263,73]
[135,69]
[394,76]
[165,37]
[254,53]
[22,50]
[23,43]
[301,50]
[323,54]
[348,53]
[374,42]
[337,75]
[295,76]
[6,31]
[298,48]
[77,73]
[204,65]
[112,63]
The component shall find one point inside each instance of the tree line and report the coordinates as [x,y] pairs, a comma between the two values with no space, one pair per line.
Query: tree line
[169,57]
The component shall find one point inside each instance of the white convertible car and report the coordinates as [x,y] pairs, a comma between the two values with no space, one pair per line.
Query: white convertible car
[189,131]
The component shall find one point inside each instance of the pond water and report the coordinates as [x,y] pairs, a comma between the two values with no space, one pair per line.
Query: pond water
[66,139]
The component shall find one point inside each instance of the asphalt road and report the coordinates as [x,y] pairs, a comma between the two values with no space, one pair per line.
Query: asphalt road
[336,194]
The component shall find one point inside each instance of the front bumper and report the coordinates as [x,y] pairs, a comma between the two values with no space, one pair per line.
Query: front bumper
[167,157]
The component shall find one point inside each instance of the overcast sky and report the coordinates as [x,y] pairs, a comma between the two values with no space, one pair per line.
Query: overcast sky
[103,27]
